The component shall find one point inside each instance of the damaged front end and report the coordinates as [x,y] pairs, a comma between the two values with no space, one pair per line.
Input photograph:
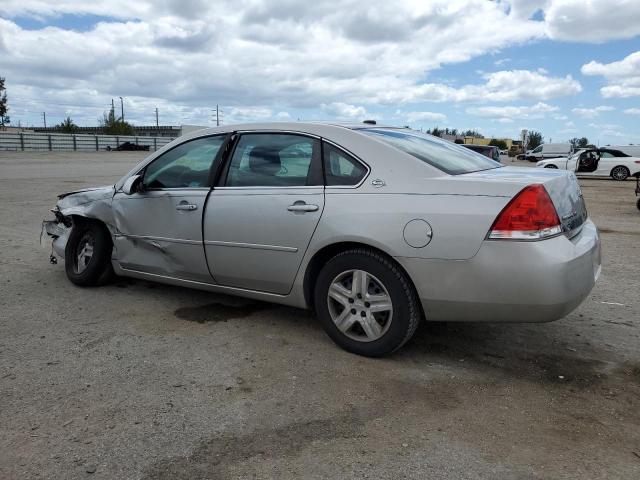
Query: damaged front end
[59,230]
[92,203]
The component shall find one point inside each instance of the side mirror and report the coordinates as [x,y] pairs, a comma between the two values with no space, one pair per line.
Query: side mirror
[132,184]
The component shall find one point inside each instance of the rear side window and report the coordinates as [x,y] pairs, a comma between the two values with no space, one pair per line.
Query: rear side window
[341,168]
[275,160]
[446,156]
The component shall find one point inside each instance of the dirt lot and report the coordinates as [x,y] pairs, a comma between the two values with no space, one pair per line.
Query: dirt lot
[141,380]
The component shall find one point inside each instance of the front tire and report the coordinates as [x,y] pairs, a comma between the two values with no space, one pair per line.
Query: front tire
[620,173]
[87,255]
[366,303]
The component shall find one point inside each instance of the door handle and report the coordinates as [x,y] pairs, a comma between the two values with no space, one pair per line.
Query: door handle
[186,206]
[302,207]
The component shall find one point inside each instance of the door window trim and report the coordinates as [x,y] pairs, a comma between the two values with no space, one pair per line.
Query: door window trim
[237,134]
[209,185]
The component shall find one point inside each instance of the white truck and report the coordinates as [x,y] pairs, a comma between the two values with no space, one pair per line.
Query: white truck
[548,150]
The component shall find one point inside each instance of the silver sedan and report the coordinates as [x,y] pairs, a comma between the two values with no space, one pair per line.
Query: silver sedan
[375,228]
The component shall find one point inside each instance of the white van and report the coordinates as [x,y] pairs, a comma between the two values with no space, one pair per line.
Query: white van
[548,150]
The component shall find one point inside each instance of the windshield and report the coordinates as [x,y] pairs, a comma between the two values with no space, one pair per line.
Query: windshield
[442,154]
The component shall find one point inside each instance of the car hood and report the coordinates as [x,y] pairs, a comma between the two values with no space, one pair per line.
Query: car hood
[84,196]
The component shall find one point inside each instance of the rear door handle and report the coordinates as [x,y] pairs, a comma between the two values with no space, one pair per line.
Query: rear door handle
[186,206]
[302,207]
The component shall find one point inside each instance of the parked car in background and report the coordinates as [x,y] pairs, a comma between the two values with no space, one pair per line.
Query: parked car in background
[129,147]
[548,150]
[631,150]
[374,228]
[594,162]
[486,150]
[504,152]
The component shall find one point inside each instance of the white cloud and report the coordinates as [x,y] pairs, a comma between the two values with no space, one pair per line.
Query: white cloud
[185,56]
[607,129]
[247,114]
[345,111]
[502,86]
[623,76]
[592,20]
[632,111]
[592,112]
[506,114]
[413,117]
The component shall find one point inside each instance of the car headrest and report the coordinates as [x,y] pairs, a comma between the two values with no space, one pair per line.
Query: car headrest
[264,161]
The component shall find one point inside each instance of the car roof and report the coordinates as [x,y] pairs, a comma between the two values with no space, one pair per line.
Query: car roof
[316,128]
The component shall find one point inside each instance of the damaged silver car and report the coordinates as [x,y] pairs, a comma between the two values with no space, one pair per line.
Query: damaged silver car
[375,228]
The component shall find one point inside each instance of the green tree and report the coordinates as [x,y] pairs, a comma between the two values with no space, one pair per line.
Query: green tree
[579,142]
[4,118]
[535,140]
[67,126]
[112,125]
[471,133]
[501,144]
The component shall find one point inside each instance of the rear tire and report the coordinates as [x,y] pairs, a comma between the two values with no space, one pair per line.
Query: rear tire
[620,173]
[386,306]
[87,255]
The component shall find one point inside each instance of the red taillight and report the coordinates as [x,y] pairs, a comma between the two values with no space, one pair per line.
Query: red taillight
[530,215]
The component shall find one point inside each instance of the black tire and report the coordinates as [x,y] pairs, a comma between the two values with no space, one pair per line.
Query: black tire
[638,204]
[98,269]
[406,306]
[551,166]
[620,173]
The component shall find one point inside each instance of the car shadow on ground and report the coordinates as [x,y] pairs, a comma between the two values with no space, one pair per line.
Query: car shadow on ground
[526,351]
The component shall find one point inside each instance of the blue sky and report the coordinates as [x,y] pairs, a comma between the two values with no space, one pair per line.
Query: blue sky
[564,67]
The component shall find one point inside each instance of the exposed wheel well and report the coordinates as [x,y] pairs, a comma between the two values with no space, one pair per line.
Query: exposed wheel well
[323,255]
[77,219]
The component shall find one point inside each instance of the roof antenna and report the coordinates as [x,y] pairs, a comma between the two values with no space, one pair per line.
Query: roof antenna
[369,122]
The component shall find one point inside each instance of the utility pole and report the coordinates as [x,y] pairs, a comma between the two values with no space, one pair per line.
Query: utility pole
[44,119]
[121,109]
[113,108]
[157,127]
[218,114]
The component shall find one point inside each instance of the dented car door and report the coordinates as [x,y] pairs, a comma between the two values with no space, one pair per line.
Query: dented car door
[159,227]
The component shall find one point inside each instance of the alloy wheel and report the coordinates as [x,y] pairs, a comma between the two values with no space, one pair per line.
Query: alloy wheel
[360,305]
[84,252]
[619,173]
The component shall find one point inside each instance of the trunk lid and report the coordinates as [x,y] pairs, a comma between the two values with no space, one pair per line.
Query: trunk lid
[562,186]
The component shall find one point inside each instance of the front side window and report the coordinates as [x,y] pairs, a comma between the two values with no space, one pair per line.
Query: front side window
[340,168]
[537,149]
[275,160]
[441,154]
[185,166]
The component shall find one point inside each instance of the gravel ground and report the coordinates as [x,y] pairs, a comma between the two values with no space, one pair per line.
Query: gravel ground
[141,380]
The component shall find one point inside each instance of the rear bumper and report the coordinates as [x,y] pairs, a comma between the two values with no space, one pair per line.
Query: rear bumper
[508,281]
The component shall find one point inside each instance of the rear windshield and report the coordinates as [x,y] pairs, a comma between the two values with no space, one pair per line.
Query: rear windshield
[446,156]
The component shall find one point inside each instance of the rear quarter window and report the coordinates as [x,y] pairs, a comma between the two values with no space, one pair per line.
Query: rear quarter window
[446,156]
